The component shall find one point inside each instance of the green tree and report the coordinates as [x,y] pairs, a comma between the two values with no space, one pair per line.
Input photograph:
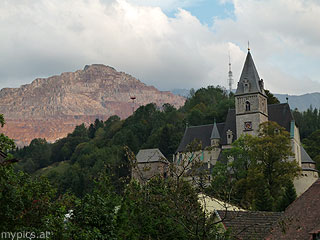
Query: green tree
[6,144]
[311,145]
[271,99]
[288,197]
[267,156]
[263,200]
[94,216]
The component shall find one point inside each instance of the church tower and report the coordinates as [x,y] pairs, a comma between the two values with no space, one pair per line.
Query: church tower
[250,100]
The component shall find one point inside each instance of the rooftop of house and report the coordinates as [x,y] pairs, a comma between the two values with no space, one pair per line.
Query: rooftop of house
[150,155]
[302,218]
[248,225]
[305,158]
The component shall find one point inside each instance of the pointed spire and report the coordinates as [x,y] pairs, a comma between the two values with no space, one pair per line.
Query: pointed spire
[249,80]
[215,133]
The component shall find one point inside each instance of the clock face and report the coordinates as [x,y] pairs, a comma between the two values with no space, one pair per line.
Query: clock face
[248,126]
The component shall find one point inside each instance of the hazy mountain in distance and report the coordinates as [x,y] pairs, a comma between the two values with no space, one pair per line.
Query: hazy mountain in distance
[301,102]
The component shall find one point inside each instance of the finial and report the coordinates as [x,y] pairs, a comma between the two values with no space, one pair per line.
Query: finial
[248,46]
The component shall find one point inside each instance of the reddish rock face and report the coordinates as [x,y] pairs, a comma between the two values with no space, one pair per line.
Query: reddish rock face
[51,107]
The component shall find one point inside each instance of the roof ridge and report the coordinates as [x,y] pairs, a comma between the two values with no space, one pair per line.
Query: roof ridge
[206,125]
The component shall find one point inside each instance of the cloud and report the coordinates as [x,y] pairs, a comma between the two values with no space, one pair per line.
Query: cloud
[42,38]
[49,37]
[284,39]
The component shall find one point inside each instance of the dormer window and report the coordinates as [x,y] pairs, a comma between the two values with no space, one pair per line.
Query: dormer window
[247,106]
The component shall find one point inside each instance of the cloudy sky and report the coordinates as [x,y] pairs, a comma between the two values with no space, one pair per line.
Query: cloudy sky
[165,43]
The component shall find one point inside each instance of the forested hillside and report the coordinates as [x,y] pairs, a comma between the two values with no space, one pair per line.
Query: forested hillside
[72,163]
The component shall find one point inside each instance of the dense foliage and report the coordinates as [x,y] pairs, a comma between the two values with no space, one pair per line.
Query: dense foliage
[256,176]
[163,208]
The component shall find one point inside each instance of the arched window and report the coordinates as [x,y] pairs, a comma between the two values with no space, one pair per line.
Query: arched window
[247,106]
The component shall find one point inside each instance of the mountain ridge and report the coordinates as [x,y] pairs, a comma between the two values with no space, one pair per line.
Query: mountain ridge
[51,107]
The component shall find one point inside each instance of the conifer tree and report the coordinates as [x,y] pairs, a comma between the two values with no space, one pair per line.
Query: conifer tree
[288,197]
[263,200]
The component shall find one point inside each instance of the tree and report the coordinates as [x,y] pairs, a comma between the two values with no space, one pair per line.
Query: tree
[271,99]
[261,165]
[6,144]
[311,145]
[94,216]
[169,207]
[288,197]
[263,199]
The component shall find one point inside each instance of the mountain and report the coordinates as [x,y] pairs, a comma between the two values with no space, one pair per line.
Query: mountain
[301,102]
[51,107]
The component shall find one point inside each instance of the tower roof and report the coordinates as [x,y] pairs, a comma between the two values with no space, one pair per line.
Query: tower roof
[249,80]
[215,133]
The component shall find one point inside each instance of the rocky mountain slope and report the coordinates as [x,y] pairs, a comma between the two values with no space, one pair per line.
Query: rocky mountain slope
[51,107]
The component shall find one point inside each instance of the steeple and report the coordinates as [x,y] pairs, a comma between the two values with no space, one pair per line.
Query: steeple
[215,133]
[250,100]
[249,80]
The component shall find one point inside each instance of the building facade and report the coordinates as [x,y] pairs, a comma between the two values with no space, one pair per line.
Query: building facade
[251,109]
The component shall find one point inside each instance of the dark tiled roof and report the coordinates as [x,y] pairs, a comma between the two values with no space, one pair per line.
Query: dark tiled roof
[230,124]
[201,133]
[249,225]
[281,114]
[305,158]
[301,217]
[249,74]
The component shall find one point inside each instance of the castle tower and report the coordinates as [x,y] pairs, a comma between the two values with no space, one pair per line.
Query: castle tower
[250,100]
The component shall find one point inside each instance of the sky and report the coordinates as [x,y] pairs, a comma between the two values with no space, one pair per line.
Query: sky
[165,43]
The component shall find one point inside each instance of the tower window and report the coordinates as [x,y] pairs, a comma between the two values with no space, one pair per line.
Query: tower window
[247,106]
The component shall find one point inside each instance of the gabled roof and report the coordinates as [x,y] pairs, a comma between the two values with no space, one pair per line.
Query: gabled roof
[249,75]
[281,114]
[150,155]
[201,133]
[301,218]
[305,158]
[248,225]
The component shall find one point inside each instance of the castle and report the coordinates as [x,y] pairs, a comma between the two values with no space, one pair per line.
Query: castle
[251,109]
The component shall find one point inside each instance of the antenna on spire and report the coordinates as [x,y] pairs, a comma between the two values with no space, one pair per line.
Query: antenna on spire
[230,75]
[248,46]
